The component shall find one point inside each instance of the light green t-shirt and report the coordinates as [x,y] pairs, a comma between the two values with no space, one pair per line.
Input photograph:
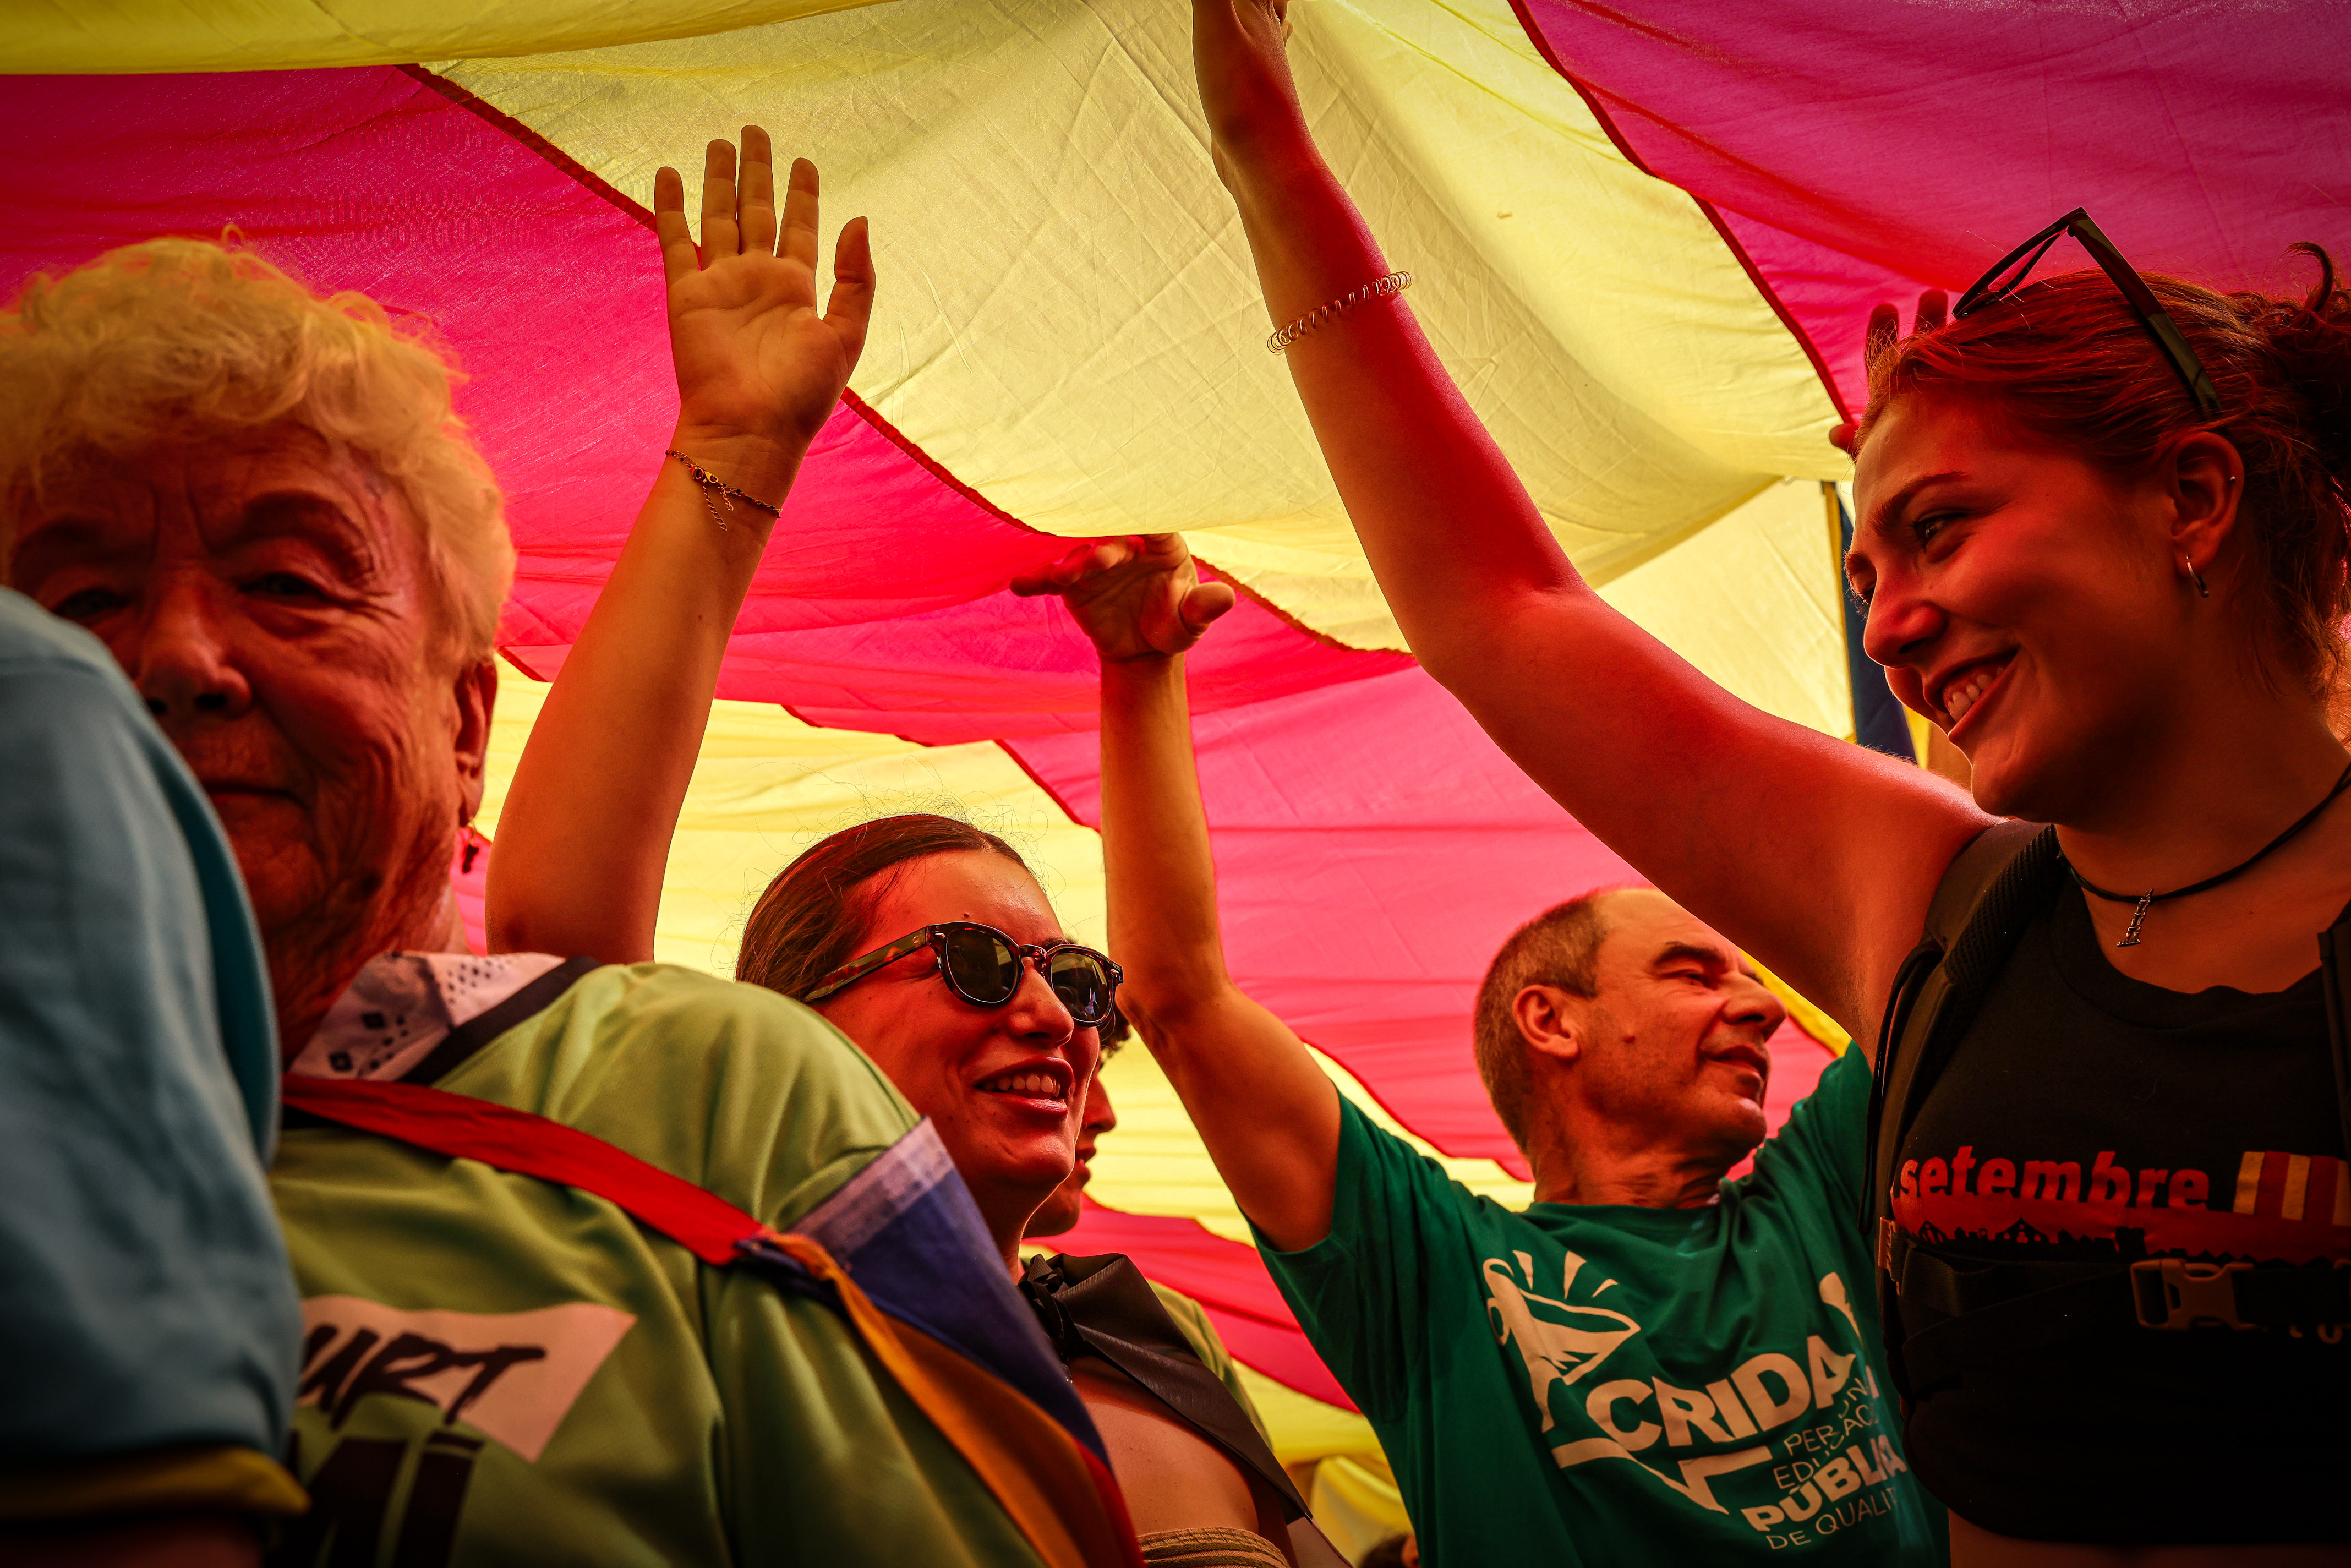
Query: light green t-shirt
[1611,1385]
[498,1370]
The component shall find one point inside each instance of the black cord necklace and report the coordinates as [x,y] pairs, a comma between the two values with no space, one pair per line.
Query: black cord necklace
[2143,900]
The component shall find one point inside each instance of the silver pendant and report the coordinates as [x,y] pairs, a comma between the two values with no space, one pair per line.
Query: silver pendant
[2138,918]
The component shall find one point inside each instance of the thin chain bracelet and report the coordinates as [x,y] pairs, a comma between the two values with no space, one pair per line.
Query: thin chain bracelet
[709,482]
[1323,315]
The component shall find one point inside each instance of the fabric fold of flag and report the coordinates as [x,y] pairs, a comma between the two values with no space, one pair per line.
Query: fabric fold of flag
[888,1227]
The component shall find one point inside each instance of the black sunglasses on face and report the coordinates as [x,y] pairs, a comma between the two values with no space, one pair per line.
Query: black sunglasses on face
[2009,272]
[982,966]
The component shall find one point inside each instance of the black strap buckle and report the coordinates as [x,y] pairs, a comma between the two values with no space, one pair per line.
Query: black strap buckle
[2173,1294]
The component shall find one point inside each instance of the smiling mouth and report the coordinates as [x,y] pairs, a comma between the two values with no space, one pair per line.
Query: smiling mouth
[1961,695]
[1034,1083]
[1751,1061]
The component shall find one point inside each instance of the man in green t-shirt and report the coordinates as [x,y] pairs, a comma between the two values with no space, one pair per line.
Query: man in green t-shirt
[1649,1363]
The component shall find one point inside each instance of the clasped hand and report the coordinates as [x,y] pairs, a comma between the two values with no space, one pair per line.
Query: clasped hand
[1139,597]
[758,369]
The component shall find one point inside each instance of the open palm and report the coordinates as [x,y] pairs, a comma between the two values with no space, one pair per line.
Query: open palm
[1139,597]
[754,356]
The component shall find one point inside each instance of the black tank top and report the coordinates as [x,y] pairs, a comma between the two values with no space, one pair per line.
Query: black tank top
[2087,1115]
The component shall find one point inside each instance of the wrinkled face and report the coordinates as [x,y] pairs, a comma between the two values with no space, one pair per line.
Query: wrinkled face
[2021,600]
[1006,1087]
[1062,1211]
[1673,1038]
[269,600]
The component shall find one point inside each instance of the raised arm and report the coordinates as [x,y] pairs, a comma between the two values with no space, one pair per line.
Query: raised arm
[1267,1112]
[584,837]
[1819,856]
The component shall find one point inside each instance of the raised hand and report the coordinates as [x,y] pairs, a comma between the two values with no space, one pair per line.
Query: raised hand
[1239,55]
[1138,597]
[756,364]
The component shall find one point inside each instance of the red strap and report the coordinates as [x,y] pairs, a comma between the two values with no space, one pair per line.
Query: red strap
[1054,1489]
[531,1145]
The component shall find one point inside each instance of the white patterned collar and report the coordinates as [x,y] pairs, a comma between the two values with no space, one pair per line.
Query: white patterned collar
[402,1005]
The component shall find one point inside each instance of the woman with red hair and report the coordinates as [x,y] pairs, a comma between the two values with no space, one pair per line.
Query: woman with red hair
[2101,536]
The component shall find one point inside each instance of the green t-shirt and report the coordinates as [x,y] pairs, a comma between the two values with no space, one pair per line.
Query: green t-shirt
[498,1370]
[1609,1385]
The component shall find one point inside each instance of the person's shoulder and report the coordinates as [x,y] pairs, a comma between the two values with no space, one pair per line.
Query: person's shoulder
[1386,1164]
[1840,1100]
[702,1075]
[670,1017]
[1191,1321]
[38,649]
[628,994]
[1820,1143]
[34,640]
[1367,1138]
[654,987]
[28,632]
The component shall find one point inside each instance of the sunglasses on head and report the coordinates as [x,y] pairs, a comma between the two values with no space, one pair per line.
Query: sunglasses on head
[982,966]
[2008,275]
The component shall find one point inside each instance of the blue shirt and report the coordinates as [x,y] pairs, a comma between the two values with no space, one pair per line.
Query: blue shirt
[145,1298]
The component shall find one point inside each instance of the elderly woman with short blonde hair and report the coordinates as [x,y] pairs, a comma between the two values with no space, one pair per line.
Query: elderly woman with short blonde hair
[263,503]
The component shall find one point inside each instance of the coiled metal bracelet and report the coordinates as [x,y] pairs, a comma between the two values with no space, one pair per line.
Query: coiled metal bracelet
[1323,315]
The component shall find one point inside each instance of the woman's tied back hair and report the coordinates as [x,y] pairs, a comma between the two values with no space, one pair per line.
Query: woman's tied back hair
[2067,360]
[179,340]
[809,921]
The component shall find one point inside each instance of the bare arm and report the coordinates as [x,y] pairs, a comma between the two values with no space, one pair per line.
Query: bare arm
[1268,1114]
[584,838]
[1819,856]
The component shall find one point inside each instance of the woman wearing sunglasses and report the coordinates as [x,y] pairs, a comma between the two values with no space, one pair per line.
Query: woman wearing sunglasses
[989,1024]
[926,942]
[2102,537]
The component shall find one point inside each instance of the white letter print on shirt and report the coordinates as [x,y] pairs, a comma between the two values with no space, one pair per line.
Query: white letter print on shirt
[1561,1343]
[511,1376]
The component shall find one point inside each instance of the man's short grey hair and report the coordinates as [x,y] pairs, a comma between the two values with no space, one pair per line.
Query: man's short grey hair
[1560,947]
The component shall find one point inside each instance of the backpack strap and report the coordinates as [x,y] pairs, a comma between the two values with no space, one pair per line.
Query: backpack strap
[1977,912]
[1979,907]
[1054,1487]
[2335,971]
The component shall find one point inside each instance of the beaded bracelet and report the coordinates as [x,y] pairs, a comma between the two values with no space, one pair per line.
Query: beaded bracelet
[709,482]
[1322,314]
